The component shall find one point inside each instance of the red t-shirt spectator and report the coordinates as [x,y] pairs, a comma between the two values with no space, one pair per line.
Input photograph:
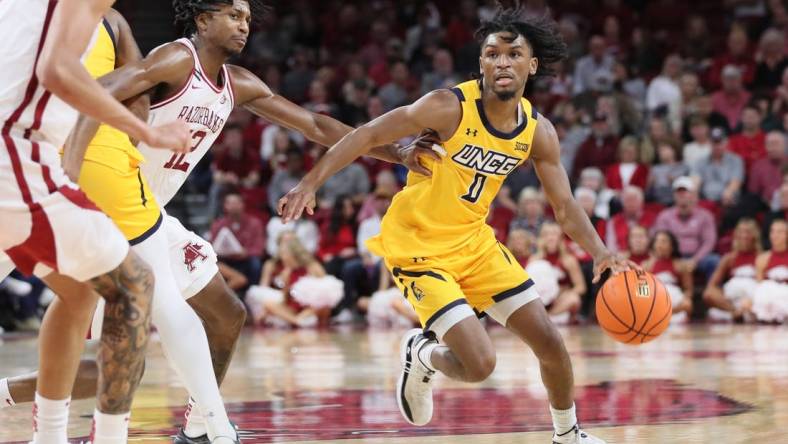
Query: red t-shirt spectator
[598,152]
[332,244]
[247,229]
[749,147]
[620,175]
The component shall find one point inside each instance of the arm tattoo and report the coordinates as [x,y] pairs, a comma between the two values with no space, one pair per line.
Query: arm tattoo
[128,292]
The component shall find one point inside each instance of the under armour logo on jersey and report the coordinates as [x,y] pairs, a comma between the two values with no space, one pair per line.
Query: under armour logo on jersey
[191,253]
[468,132]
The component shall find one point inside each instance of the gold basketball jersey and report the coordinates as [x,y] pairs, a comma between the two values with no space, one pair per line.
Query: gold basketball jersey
[441,214]
[110,146]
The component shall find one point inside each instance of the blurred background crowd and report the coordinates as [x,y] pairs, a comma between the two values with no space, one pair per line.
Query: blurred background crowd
[671,117]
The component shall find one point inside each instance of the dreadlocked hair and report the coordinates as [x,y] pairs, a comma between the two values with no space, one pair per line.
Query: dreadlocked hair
[541,33]
[186,11]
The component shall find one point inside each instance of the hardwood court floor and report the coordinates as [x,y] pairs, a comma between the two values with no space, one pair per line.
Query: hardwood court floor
[699,384]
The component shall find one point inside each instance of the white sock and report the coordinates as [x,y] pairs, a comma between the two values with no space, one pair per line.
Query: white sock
[183,337]
[110,429]
[5,394]
[425,354]
[563,421]
[50,420]
[195,423]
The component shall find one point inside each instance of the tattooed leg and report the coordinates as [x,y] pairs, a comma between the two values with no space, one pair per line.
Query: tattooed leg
[127,291]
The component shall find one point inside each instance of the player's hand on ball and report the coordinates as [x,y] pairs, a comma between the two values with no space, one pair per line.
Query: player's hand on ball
[427,144]
[173,136]
[615,262]
[292,205]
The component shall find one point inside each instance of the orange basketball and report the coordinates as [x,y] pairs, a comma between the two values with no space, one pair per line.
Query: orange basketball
[633,307]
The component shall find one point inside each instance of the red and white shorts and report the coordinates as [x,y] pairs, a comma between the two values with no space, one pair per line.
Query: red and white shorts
[48,224]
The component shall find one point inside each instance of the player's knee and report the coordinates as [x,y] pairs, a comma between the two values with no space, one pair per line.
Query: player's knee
[236,311]
[132,278]
[481,366]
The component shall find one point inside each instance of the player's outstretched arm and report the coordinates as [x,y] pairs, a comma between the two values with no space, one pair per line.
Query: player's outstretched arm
[61,72]
[254,95]
[438,110]
[569,214]
[126,52]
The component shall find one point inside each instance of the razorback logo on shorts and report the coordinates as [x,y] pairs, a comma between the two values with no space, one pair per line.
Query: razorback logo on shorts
[191,253]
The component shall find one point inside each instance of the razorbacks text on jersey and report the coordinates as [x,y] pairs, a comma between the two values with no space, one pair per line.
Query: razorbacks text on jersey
[205,107]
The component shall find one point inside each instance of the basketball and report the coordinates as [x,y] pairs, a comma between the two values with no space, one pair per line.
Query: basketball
[633,307]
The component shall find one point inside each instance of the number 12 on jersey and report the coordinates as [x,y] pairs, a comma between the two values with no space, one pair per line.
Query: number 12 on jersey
[176,162]
[475,190]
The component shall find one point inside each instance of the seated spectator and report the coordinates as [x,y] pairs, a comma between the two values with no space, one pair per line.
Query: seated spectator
[305,229]
[319,101]
[659,132]
[361,274]
[627,171]
[720,175]
[730,289]
[237,238]
[769,71]
[442,74]
[638,250]
[387,307]
[530,211]
[286,179]
[234,278]
[666,265]
[770,302]
[521,243]
[294,289]
[634,213]
[732,98]
[351,181]
[274,151]
[659,187]
[779,105]
[750,143]
[396,92]
[571,133]
[738,55]
[599,149]
[234,167]
[593,179]
[704,108]
[766,174]
[385,184]
[586,197]
[338,236]
[663,91]
[780,212]
[522,177]
[589,69]
[571,285]
[700,147]
[694,227]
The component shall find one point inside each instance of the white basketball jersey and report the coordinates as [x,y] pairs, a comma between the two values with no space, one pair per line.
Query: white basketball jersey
[26,107]
[205,108]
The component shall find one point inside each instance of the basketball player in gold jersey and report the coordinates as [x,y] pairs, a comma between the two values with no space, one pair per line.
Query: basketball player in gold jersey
[434,238]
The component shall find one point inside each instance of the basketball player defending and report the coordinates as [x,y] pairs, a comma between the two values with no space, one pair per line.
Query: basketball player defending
[51,228]
[184,91]
[434,238]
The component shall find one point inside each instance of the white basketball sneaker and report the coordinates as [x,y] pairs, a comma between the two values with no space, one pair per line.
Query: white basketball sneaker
[576,435]
[414,387]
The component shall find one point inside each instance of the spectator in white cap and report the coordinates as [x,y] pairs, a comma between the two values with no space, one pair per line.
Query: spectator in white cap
[731,99]
[693,227]
[721,173]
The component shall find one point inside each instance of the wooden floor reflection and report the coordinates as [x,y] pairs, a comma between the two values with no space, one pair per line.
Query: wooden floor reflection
[699,384]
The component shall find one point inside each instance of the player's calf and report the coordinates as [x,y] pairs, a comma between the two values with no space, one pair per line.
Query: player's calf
[128,292]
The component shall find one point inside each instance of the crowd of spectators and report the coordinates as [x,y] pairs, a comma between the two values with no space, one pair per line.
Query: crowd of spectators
[671,115]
